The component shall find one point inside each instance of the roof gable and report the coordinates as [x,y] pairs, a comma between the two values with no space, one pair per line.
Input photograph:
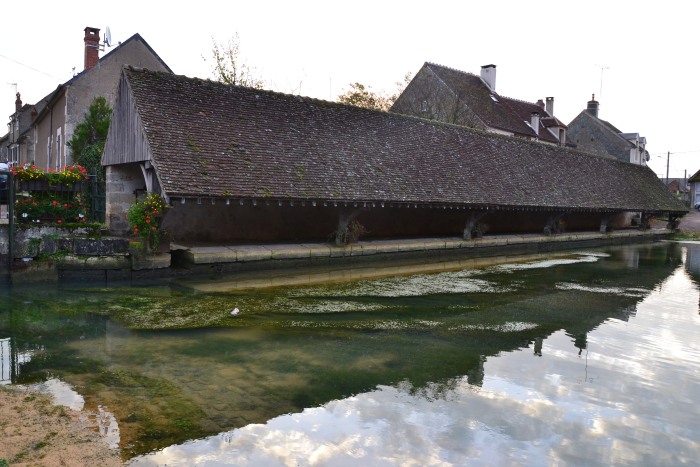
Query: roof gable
[45,104]
[210,139]
[495,111]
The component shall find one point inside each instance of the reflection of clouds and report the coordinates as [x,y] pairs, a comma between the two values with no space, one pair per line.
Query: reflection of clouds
[61,392]
[388,426]
[630,399]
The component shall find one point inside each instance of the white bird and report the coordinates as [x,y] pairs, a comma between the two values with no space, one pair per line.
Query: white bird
[235,311]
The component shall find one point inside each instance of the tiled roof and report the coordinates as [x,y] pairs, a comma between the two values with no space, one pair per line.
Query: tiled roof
[598,136]
[212,140]
[496,111]
[695,177]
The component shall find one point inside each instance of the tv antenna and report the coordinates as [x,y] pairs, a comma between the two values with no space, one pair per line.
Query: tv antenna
[602,69]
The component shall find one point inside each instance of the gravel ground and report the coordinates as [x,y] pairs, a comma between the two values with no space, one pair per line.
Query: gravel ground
[35,432]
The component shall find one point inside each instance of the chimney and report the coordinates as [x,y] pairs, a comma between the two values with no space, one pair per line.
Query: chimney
[593,107]
[550,106]
[18,104]
[535,122]
[92,47]
[488,76]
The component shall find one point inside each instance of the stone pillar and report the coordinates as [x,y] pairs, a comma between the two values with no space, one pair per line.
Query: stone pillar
[122,182]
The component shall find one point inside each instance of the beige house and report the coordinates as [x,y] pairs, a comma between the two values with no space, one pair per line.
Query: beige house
[54,117]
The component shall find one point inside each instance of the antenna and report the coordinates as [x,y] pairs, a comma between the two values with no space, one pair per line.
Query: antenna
[602,68]
[108,37]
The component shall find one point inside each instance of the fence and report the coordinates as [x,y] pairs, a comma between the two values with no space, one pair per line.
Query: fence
[40,201]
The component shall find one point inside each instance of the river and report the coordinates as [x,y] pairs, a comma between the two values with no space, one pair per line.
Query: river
[579,358]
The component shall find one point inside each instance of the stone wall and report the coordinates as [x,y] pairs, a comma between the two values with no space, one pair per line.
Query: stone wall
[123,181]
[51,254]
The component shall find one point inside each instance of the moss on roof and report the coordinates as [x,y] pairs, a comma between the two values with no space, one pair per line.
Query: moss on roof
[214,140]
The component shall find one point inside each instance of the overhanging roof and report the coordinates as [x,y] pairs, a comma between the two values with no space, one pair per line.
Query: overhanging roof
[212,140]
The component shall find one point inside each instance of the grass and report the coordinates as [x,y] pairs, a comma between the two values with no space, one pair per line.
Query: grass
[685,235]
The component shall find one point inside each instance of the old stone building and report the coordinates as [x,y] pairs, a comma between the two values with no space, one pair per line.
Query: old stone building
[244,165]
[39,132]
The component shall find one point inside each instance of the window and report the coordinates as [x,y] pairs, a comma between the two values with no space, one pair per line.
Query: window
[48,152]
[13,154]
[59,150]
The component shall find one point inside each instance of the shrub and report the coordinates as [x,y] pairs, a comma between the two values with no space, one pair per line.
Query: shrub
[145,218]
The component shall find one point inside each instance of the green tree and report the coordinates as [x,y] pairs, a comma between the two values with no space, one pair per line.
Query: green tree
[229,67]
[89,136]
[360,95]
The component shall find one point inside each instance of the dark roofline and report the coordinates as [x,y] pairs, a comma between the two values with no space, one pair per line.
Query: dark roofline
[50,99]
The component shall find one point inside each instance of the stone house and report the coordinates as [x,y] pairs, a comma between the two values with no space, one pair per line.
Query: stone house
[679,188]
[592,134]
[38,133]
[242,165]
[440,93]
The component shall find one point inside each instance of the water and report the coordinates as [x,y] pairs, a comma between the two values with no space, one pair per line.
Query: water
[586,358]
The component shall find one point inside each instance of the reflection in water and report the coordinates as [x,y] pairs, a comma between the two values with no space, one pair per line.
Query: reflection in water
[618,403]
[562,359]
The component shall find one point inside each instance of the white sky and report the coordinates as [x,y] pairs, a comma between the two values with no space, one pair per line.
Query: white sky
[643,50]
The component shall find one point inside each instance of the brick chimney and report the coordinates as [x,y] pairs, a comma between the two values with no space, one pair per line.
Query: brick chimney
[92,47]
[18,103]
[593,107]
[488,76]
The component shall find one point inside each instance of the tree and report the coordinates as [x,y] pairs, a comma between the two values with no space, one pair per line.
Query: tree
[360,95]
[229,68]
[89,136]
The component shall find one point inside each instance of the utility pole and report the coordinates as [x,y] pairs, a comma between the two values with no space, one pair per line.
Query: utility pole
[668,158]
